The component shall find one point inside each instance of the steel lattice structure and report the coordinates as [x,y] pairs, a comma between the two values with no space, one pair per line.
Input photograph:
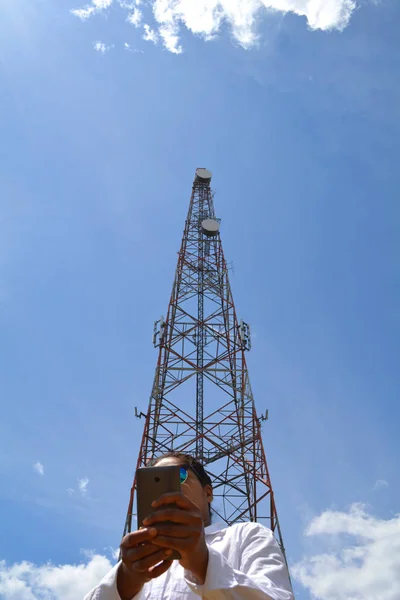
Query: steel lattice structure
[201,402]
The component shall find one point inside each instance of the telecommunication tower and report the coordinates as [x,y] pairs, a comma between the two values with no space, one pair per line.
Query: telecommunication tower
[201,401]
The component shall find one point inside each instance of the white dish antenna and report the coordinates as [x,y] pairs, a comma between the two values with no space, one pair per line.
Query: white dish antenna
[210,227]
[203,174]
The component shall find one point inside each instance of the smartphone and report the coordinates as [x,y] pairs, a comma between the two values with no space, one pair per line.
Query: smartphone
[151,483]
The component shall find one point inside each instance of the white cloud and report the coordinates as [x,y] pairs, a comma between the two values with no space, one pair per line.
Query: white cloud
[170,37]
[83,13]
[206,17]
[101,4]
[115,554]
[91,9]
[361,558]
[129,48]
[82,484]
[381,484]
[39,468]
[70,492]
[25,581]
[129,5]
[101,47]
[149,34]
[135,17]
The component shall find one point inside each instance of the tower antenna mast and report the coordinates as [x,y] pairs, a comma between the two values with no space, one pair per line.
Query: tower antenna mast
[201,401]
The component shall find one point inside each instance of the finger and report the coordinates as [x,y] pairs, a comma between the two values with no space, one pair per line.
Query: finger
[141,566]
[130,555]
[137,537]
[173,498]
[160,569]
[175,515]
[173,543]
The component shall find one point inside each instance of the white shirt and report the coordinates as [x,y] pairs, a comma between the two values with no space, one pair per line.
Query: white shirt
[245,563]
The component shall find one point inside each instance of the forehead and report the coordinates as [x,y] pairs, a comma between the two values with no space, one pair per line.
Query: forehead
[169,461]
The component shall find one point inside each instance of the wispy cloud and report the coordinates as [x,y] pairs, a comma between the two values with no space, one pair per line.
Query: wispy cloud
[39,468]
[149,34]
[91,9]
[169,34]
[135,17]
[205,18]
[82,485]
[363,562]
[380,484]
[130,5]
[101,47]
[129,48]
[66,582]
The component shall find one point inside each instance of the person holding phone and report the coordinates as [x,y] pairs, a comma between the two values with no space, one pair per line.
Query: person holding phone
[217,562]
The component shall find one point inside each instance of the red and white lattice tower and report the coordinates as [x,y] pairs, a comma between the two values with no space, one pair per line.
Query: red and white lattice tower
[201,402]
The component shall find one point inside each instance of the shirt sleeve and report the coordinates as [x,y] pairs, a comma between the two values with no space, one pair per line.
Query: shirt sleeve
[262,574]
[107,588]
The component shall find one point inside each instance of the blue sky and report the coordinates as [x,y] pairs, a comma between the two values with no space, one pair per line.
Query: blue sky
[296,112]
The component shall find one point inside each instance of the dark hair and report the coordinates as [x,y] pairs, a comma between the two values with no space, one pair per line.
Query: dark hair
[188,461]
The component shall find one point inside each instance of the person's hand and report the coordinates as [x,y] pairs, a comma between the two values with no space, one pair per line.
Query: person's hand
[180,526]
[141,562]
